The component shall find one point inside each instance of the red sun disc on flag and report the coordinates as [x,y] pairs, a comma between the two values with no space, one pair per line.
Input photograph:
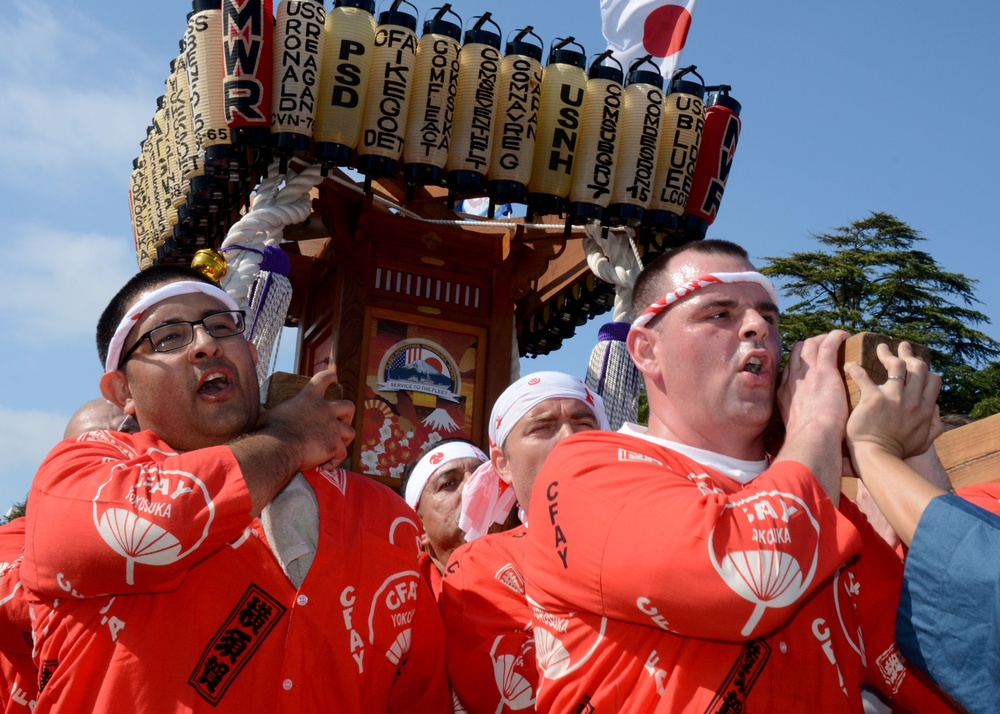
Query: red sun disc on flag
[665,30]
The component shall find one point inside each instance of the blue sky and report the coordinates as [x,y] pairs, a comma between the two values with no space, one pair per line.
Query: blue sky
[848,107]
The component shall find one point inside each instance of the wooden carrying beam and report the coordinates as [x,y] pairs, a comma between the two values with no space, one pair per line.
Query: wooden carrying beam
[283,385]
[971,453]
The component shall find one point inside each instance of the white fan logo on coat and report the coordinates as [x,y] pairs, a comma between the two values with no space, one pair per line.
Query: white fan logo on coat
[515,689]
[768,576]
[143,540]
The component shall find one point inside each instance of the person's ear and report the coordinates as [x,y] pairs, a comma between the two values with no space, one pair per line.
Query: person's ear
[501,464]
[253,352]
[640,343]
[115,388]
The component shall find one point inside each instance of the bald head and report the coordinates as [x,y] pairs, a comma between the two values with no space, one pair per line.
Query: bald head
[98,414]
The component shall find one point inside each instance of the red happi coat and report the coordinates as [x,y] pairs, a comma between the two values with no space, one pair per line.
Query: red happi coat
[18,675]
[661,585]
[490,647]
[154,591]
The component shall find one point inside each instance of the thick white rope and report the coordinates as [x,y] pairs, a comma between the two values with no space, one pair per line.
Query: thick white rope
[611,372]
[280,201]
[614,260]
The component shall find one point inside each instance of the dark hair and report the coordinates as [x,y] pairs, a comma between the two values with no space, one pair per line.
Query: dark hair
[141,282]
[408,469]
[648,286]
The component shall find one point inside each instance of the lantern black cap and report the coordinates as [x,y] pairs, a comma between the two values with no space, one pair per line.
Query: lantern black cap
[722,99]
[480,35]
[685,86]
[394,16]
[519,46]
[506,191]
[650,75]
[367,5]
[559,53]
[202,5]
[599,70]
[437,25]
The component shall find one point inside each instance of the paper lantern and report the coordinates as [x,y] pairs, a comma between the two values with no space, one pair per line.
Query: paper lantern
[166,213]
[475,108]
[203,47]
[154,193]
[518,102]
[432,104]
[349,39]
[388,102]
[594,166]
[247,36]
[640,144]
[137,207]
[715,159]
[683,123]
[298,59]
[171,107]
[564,84]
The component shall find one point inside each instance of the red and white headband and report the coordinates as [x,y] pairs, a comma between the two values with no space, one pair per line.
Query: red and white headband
[432,461]
[183,287]
[749,276]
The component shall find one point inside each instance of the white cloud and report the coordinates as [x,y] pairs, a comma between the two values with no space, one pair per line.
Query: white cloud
[29,435]
[76,96]
[56,283]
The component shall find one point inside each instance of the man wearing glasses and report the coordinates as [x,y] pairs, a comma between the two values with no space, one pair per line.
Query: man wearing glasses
[152,583]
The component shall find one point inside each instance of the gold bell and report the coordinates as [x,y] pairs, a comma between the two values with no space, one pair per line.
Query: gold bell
[210,262]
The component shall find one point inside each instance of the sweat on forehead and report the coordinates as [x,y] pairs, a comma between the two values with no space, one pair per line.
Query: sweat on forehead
[702,281]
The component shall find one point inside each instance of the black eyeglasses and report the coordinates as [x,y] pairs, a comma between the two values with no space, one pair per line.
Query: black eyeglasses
[173,336]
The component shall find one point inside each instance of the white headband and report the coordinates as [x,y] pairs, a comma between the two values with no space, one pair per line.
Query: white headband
[135,312]
[531,390]
[485,498]
[750,276]
[430,462]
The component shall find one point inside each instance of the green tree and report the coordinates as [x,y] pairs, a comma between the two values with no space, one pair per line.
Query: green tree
[869,277]
[15,511]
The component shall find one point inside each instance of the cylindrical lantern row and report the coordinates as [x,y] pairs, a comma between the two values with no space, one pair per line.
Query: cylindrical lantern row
[349,40]
[345,89]
[683,123]
[564,84]
[594,168]
[715,158]
[383,125]
[185,148]
[247,34]
[203,45]
[519,99]
[432,111]
[642,114]
[298,59]
[137,199]
[159,174]
[475,108]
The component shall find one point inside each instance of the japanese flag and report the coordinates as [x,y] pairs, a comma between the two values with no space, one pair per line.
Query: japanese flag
[634,28]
